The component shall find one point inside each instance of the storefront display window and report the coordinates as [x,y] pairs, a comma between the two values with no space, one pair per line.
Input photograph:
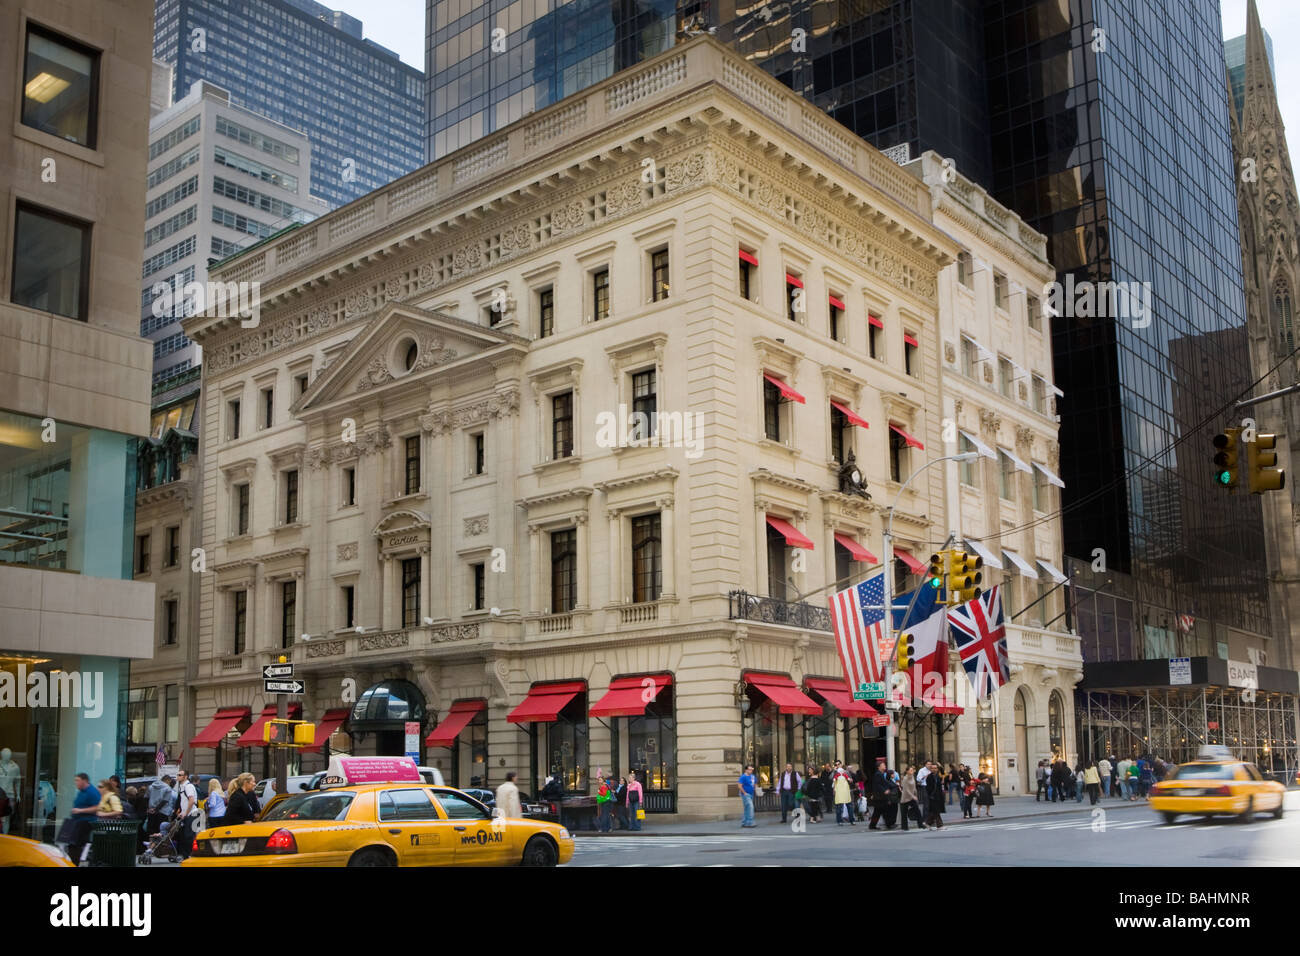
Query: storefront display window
[652,743]
[1056,724]
[820,737]
[567,745]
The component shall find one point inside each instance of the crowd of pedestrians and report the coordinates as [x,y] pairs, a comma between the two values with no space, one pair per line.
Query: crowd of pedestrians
[1129,779]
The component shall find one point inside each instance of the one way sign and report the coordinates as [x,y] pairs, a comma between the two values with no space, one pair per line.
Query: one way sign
[272,671]
[282,686]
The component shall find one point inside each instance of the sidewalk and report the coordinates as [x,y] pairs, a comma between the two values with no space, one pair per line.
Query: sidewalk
[1004,808]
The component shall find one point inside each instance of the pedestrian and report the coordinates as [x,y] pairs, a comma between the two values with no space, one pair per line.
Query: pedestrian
[984,795]
[130,803]
[1121,773]
[879,787]
[922,792]
[1134,779]
[1040,774]
[788,784]
[604,797]
[1078,782]
[619,807]
[828,791]
[746,785]
[507,798]
[1146,776]
[812,792]
[1103,776]
[162,803]
[215,805]
[1092,781]
[968,797]
[110,804]
[907,795]
[1060,780]
[187,811]
[633,800]
[953,781]
[76,829]
[934,797]
[843,796]
[1114,775]
[241,804]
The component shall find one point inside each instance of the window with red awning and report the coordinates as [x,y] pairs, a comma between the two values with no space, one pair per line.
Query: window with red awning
[786,391]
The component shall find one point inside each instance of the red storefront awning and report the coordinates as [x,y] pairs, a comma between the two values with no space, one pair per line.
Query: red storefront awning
[786,391]
[626,696]
[906,437]
[545,701]
[852,547]
[252,737]
[915,566]
[457,719]
[219,726]
[836,693]
[949,709]
[853,417]
[748,257]
[331,721]
[781,690]
[793,536]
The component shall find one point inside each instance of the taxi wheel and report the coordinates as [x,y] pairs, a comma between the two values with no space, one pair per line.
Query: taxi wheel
[371,857]
[1169,817]
[1248,815]
[540,852]
[1277,812]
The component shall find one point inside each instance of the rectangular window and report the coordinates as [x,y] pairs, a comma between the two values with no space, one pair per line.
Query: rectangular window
[1006,477]
[51,266]
[793,297]
[911,354]
[232,419]
[241,509]
[1042,490]
[746,277]
[268,407]
[1040,395]
[301,381]
[291,496]
[477,450]
[171,623]
[172,713]
[174,138]
[1034,311]
[999,290]
[349,487]
[875,329]
[288,613]
[1006,375]
[839,433]
[970,357]
[562,426]
[600,294]
[173,166]
[413,465]
[897,456]
[964,268]
[141,554]
[173,546]
[478,581]
[647,559]
[349,606]
[776,564]
[60,87]
[644,405]
[771,411]
[836,309]
[241,621]
[659,275]
[969,470]
[411,592]
[564,571]
[545,313]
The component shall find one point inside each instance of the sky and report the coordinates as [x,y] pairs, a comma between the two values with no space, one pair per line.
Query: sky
[399,25]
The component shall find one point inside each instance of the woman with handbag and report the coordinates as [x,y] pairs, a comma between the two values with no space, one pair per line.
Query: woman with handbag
[909,797]
[633,799]
[812,791]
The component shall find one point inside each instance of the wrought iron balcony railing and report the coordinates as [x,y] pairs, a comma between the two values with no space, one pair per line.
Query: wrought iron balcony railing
[768,610]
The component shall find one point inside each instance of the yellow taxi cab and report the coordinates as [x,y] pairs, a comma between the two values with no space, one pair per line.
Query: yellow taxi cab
[20,851]
[380,812]
[1217,784]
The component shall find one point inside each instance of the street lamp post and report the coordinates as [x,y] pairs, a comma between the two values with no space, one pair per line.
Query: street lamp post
[891,730]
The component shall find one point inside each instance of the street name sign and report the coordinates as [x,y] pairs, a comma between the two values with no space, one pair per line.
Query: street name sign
[867,691]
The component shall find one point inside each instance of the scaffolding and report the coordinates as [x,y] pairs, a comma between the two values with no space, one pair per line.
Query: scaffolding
[1173,723]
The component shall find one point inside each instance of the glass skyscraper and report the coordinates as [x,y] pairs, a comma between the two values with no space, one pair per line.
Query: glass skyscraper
[307,67]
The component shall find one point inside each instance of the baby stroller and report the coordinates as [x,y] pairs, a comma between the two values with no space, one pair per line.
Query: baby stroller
[163,843]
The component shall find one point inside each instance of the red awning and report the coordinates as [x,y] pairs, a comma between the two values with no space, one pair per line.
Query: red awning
[836,693]
[781,690]
[914,565]
[793,536]
[626,696]
[910,339]
[786,390]
[794,281]
[252,737]
[457,719]
[949,709]
[906,437]
[748,257]
[852,547]
[838,303]
[331,721]
[545,701]
[219,726]
[853,417]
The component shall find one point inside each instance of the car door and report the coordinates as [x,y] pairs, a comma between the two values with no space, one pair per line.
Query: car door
[480,839]
[409,823]
[1266,797]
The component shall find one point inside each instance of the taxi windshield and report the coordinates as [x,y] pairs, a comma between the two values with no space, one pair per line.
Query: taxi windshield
[1203,771]
[311,806]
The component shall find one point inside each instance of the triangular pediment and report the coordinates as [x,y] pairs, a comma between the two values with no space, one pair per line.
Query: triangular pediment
[402,341]
[404,519]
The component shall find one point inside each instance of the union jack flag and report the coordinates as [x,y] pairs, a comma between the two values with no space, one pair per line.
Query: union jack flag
[859,630]
[981,638]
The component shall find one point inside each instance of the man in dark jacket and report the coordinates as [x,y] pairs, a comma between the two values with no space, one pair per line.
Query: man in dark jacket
[934,789]
[787,785]
[1060,781]
[880,784]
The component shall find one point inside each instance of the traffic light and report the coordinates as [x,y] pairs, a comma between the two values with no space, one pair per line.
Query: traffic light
[1261,461]
[964,577]
[906,655]
[1227,467]
[938,568]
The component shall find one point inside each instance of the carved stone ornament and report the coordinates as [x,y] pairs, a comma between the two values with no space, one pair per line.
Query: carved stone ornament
[497,406]
[348,551]
[476,525]
[1024,436]
[1024,392]
[949,353]
[327,649]
[453,632]
[990,423]
[988,373]
[367,443]
[388,639]
[377,373]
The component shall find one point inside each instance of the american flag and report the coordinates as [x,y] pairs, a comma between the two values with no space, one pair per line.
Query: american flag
[981,638]
[1185,623]
[160,757]
[859,631]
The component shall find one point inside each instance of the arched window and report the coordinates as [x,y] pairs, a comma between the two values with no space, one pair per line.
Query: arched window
[1056,724]
[1282,315]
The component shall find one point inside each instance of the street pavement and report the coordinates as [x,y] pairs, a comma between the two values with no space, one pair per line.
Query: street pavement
[1114,833]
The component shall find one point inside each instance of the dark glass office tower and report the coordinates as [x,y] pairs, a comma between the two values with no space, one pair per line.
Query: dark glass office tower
[306,66]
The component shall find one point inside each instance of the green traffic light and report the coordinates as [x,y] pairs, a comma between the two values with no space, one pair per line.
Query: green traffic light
[1224,477]
[936,582]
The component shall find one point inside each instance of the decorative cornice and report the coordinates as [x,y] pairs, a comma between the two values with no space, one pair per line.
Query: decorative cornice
[367,443]
[779,481]
[287,455]
[644,478]
[554,497]
[439,420]
[239,470]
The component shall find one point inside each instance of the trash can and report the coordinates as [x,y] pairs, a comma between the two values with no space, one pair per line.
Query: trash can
[114,842]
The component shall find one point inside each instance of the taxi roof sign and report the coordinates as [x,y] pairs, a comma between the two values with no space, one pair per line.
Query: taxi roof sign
[345,771]
[1214,752]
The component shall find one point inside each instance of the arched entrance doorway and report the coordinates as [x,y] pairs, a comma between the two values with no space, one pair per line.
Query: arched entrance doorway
[1022,738]
[380,715]
[1056,725]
